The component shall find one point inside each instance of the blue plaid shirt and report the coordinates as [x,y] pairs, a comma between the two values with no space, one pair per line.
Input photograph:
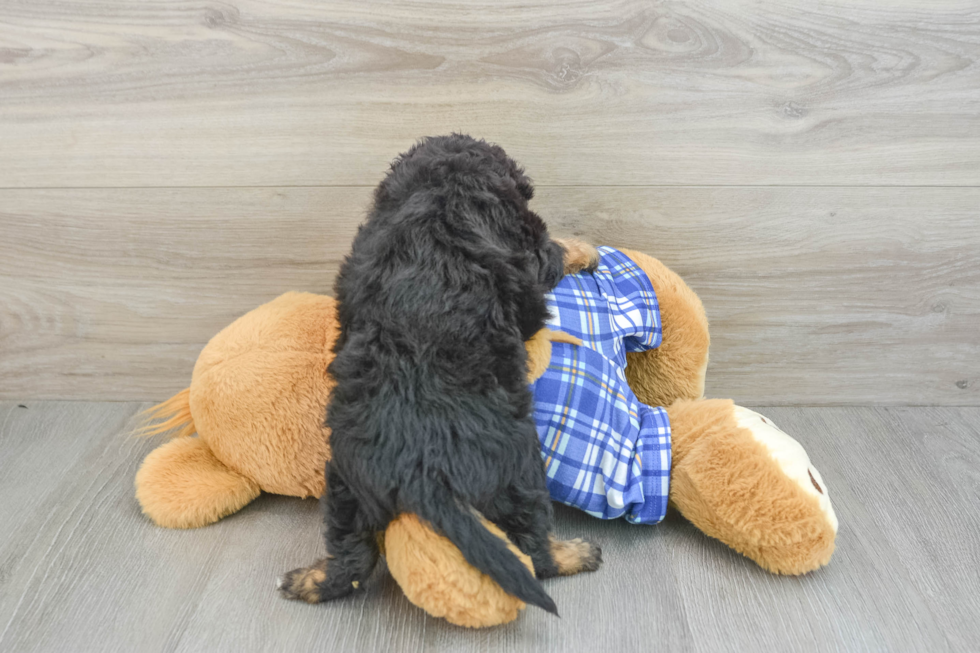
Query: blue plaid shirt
[604,451]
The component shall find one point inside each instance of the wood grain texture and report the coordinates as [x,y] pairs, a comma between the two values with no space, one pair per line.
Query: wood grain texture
[598,92]
[814,295]
[80,567]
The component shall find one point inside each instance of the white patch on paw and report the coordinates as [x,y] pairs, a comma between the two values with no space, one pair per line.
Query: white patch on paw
[790,456]
[280,582]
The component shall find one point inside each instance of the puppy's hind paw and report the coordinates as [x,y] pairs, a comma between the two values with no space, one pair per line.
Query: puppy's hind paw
[575,556]
[579,255]
[304,584]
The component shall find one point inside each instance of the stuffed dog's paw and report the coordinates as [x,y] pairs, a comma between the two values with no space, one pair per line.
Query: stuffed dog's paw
[579,255]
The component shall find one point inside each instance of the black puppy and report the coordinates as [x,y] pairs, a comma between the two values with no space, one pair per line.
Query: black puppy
[431,413]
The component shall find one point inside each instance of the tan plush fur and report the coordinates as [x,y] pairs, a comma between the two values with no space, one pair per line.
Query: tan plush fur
[728,485]
[676,369]
[259,391]
[256,402]
[173,416]
[539,350]
[257,398]
[538,354]
[182,485]
[435,576]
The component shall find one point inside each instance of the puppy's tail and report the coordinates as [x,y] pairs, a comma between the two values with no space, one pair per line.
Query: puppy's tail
[484,550]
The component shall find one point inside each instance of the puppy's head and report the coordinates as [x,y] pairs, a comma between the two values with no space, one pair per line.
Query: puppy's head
[483,194]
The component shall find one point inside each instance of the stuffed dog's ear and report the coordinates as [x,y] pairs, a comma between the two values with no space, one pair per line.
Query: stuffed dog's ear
[524,186]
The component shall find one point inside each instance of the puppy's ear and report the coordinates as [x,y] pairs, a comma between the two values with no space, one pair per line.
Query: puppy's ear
[551,264]
[525,187]
[524,184]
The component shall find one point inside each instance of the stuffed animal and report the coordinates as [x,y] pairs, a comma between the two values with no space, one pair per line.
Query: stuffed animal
[623,426]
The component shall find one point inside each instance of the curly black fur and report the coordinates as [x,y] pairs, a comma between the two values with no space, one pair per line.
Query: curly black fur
[431,413]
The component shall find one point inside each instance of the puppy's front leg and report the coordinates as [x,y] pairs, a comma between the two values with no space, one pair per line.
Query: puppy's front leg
[352,551]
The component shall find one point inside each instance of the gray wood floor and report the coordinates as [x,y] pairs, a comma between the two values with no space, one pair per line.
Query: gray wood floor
[82,570]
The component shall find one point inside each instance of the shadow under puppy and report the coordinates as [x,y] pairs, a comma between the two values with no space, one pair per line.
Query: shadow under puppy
[431,413]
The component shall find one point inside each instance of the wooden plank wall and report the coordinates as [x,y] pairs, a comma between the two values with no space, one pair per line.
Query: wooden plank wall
[813,170]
